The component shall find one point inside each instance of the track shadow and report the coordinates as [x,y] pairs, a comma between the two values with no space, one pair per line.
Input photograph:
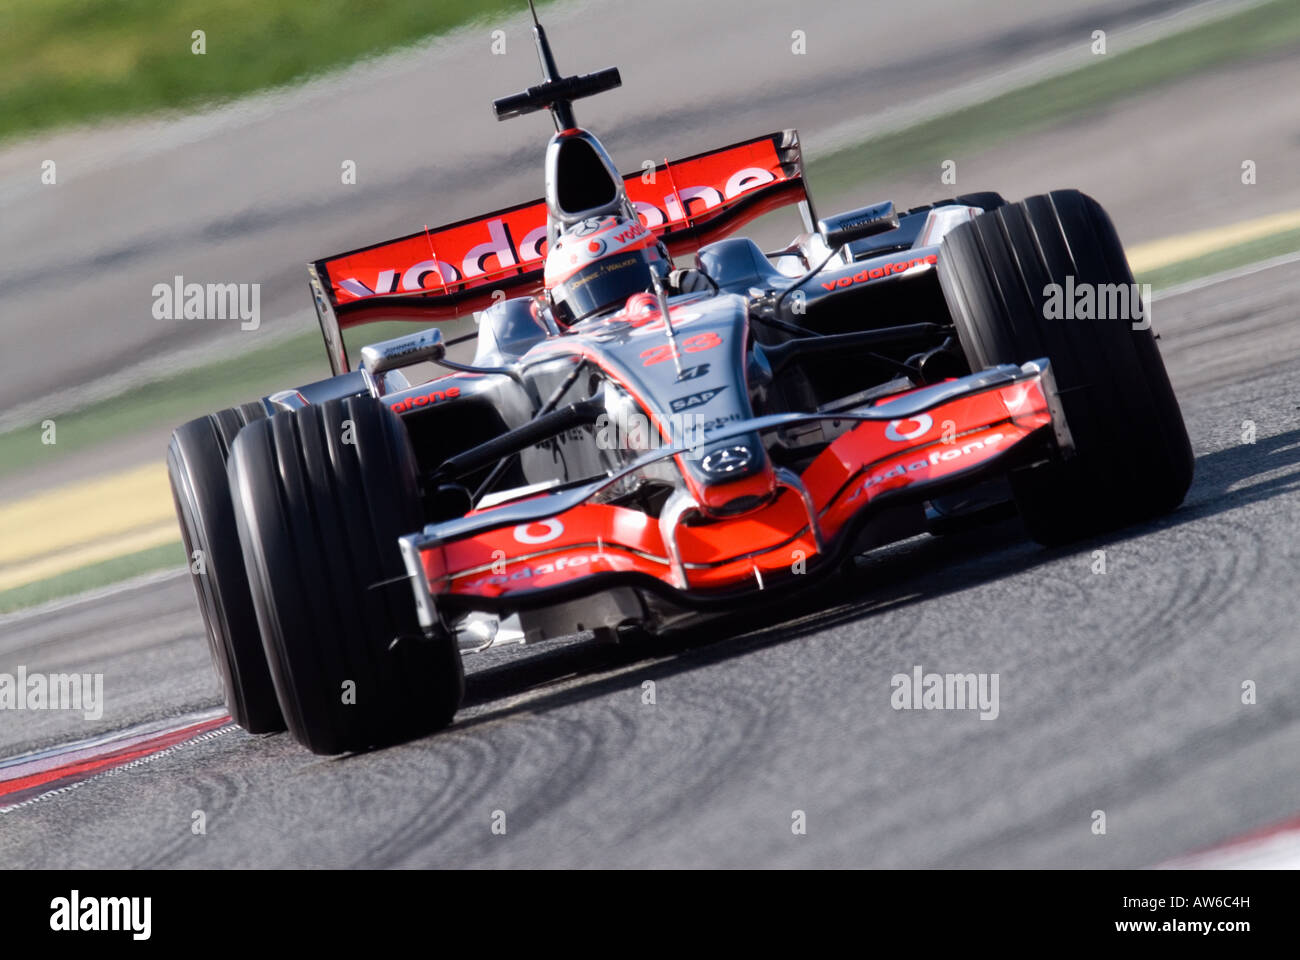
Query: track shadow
[914,571]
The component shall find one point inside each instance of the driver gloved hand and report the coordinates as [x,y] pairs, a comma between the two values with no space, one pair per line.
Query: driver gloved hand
[687,280]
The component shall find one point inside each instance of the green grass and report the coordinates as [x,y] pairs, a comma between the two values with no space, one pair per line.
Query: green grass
[1272,26]
[1241,255]
[92,577]
[68,61]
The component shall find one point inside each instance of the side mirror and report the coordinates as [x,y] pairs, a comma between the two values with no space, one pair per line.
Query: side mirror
[386,355]
[844,228]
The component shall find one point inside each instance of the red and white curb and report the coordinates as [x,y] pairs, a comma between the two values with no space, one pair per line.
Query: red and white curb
[33,776]
[1272,848]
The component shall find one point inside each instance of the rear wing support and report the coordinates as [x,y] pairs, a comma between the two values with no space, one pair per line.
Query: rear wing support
[335,349]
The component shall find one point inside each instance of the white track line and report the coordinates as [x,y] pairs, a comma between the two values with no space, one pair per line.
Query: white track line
[99,593]
[1193,285]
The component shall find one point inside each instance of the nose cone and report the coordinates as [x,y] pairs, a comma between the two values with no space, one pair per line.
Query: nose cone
[731,477]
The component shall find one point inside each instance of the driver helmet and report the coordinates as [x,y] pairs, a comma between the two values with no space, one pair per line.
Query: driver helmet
[596,264]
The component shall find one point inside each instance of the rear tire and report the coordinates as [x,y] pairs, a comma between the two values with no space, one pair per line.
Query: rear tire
[1133,460]
[196,466]
[321,496]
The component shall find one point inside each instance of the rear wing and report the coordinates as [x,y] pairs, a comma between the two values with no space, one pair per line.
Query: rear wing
[450,271]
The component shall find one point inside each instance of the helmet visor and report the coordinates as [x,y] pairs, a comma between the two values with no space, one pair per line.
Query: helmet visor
[604,284]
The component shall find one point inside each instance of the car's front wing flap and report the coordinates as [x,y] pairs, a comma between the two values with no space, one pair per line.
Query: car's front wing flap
[910,446]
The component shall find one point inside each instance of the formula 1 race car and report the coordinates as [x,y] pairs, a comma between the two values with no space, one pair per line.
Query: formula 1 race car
[638,446]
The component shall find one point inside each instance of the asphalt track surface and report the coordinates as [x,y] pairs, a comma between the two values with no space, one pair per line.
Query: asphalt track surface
[1118,692]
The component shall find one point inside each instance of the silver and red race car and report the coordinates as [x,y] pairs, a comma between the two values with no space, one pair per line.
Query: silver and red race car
[636,445]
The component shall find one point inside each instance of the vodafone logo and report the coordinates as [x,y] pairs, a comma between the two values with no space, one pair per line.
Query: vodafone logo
[631,233]
[877,272]
[894,431]
[551,529]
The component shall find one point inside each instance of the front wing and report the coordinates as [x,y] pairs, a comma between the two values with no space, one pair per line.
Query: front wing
[912,447]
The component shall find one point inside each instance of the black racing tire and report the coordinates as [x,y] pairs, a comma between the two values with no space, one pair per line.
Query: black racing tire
[1132,460]
[321,496]
[196,466]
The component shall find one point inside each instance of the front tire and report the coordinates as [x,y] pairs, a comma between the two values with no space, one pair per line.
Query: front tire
[1133,460]
[196,467]
[321,496]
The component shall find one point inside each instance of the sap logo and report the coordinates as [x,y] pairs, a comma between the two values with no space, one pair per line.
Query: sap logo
[410,403]
[695,399]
